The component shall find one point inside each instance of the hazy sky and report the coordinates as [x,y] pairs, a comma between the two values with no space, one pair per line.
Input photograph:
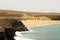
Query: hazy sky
[31,5]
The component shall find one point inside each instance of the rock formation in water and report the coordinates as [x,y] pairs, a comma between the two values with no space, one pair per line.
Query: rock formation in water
[8,27]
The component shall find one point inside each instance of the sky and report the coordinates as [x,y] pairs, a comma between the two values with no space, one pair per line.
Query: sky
[31,5]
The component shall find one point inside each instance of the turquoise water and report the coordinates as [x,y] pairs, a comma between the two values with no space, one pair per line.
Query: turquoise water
[47,32]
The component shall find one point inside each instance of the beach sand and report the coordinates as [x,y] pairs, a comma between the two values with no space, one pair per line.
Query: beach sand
[29,23]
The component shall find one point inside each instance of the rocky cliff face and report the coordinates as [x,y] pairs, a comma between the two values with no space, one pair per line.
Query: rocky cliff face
[8,27]
[18,25]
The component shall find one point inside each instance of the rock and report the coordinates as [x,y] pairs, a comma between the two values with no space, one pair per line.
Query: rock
[10,32]
[18,25]
[2,33]
[8,27]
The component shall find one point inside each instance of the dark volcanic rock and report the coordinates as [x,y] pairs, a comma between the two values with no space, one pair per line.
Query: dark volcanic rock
[2,33]
[18,25]
[8,27]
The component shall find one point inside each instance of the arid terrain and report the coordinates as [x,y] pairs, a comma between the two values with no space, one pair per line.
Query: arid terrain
[31,18]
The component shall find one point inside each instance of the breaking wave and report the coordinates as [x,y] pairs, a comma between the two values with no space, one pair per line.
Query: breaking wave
[23,35]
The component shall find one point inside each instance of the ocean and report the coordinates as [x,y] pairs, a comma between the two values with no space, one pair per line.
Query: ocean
[46,32]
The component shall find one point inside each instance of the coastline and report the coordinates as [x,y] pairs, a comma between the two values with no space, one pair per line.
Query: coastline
[29,23]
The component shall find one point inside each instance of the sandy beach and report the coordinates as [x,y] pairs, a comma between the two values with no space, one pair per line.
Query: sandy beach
[29,23]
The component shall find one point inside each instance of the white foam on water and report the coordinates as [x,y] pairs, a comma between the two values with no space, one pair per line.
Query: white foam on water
[17,33]
[33,31]
[19,36]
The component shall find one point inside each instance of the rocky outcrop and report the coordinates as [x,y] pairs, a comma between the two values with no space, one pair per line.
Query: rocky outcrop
[8,27]
[18,25]
[55,18]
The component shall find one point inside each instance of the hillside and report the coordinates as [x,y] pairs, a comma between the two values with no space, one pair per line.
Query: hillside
[32,18]
[29,15]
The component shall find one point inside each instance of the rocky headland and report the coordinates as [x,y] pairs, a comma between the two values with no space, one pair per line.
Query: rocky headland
[8,27]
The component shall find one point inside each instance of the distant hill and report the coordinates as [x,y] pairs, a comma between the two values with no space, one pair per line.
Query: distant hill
[28,15]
